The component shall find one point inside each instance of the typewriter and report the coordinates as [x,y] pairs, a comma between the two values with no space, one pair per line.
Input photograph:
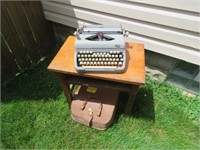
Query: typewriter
[100,48]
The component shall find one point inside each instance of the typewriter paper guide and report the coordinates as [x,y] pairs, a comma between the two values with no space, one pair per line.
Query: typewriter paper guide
[113,32]
[83,43]
[100,28]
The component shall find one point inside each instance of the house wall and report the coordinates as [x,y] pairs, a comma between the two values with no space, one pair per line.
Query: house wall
[166,27]
[169,30]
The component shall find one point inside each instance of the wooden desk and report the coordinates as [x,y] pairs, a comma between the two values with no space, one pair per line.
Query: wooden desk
[129,81]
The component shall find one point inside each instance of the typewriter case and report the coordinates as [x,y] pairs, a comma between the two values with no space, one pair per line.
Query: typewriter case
[94,107]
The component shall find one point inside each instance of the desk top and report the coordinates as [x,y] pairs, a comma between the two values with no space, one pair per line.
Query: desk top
[63,62]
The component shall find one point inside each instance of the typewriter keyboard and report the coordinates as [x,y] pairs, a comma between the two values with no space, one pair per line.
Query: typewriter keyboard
[100,59]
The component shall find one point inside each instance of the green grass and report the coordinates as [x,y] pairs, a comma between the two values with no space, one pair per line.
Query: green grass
[34,114]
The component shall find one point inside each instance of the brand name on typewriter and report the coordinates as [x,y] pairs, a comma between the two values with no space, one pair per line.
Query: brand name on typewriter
[117,45]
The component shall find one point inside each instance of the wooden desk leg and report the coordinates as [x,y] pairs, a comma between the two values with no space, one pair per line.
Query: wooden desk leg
[131,99]
[65,87]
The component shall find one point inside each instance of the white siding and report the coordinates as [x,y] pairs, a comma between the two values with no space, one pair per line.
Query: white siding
[169,27]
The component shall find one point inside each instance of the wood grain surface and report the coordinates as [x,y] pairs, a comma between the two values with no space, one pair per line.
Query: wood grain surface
[63,62]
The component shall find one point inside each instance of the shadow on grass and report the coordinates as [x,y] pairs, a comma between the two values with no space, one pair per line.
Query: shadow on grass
[35,83]
[143,106]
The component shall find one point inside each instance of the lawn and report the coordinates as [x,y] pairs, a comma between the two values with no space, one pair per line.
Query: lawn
[35,115]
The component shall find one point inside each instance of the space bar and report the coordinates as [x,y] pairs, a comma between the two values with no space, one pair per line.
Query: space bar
[99,67]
